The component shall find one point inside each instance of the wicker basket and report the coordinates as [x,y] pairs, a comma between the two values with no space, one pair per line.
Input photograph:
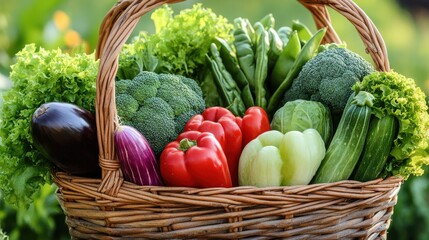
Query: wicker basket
[110,208]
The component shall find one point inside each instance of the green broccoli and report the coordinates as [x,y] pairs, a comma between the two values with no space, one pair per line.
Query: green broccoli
[156,121]
[165,102]
[128,104]
[328,78]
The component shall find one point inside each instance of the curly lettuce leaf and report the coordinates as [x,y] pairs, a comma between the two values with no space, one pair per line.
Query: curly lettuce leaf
[399,96]
[179,44]
[38,76]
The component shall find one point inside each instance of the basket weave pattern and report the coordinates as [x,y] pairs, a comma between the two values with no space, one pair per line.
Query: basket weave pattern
[110,208]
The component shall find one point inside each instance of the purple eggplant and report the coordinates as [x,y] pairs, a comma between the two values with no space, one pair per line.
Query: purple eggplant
[137,159]
[66,135]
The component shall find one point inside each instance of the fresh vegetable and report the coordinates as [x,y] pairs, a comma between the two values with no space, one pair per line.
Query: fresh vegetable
[309,50]
[285,61]
[378,144]
[195,159]
[399,96]
[303,31]
[38,76]
[138,162]
[222,124]
[232,132]
[179,44]
[261,65]
[328,78]
[67,136]
[254,122]
[303,114]
[348,141]
[227,87]
[277,159]
[231,65]
[245,55]
[165,103]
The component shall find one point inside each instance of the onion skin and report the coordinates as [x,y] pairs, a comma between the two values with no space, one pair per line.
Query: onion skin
[137,159]
[66,135]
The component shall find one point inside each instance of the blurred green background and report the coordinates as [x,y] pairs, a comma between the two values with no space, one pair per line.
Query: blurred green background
[66,24]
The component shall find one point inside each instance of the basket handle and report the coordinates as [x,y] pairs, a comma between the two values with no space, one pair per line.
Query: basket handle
[118,25]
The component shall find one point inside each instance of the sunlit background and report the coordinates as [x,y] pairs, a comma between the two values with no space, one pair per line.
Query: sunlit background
[74,23]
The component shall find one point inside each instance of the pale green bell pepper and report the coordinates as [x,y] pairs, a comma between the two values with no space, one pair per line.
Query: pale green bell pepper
[277,159]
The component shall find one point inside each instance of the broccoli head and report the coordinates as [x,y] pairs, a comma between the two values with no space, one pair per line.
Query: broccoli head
[165,102]
[328,78]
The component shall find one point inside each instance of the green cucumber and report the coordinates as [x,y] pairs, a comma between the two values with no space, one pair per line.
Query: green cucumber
[348,141]
[381,134]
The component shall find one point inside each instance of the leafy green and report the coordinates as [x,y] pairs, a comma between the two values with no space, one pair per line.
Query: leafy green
[178,45]
[38,76]
[399,96]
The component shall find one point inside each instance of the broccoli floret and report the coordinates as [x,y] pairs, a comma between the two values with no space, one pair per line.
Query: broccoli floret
[128,104]
[145,85]
[122,86]
[180,97]
[165,103]
[328,78]
[155,120]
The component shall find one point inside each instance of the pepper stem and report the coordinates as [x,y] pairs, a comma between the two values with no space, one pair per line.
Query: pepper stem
[185,144]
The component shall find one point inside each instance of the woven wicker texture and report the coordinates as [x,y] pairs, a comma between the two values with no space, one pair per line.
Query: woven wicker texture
[110,208]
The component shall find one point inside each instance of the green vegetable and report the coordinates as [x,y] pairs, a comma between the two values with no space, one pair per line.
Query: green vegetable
[284,33]
[348,141]
[245,55]
[379,141]
[328,78]
[300,115]
[179,44]
[231,65]
[285,61]
[307,53]
[277,159]
[227,87]
[261,66]
[399,96]
[38,76]
[267,21]
[303,31]
[165,103]
[276,48]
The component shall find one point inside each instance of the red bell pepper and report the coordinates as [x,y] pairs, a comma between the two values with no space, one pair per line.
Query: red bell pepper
[195,159]
[255,122]
[222,123]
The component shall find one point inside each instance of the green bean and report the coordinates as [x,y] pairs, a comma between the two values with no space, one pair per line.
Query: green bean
[307,53]
[261,69]
[245,55]
[230,61]
[245,25]
[285,61]
[225,83]
[276,47]
[304,32]
[284,33]
[267,21]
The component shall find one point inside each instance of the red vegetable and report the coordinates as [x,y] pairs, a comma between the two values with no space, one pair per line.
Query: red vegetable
[233,133]
[255,121]
[66,135]
[222,123]
[138,162]
[195,159]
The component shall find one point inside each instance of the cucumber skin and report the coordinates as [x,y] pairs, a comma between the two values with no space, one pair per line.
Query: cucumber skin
[381,134]
[346,146]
